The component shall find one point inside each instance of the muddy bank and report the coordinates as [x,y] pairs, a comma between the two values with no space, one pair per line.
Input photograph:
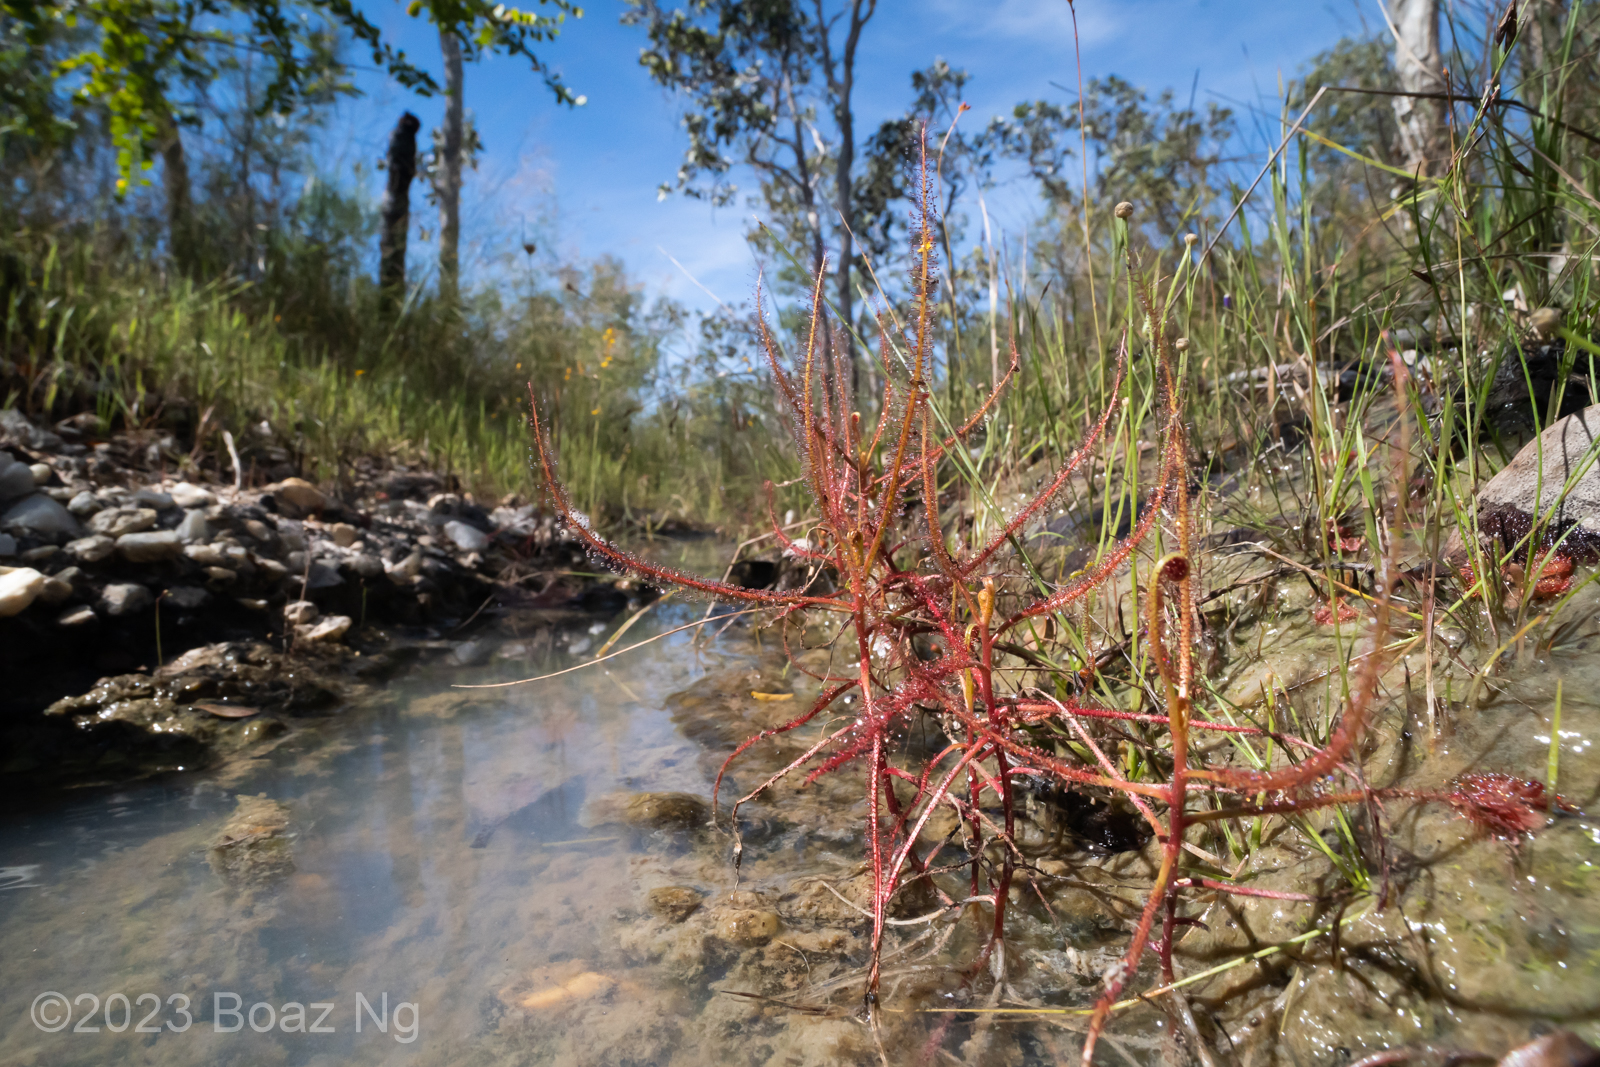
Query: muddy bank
[153,620]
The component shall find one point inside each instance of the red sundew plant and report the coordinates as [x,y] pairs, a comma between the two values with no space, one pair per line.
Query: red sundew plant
[895,578]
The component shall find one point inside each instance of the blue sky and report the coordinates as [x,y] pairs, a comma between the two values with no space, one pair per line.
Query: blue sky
[582,182]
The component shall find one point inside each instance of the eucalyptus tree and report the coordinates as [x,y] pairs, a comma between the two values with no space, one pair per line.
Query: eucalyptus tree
[768,85]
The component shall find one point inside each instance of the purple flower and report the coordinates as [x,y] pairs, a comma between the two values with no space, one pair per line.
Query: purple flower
[1227,301]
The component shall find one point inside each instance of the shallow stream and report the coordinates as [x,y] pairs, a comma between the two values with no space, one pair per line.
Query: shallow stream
[521,876]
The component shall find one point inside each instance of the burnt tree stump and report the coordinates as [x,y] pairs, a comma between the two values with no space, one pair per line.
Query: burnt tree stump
[395,208]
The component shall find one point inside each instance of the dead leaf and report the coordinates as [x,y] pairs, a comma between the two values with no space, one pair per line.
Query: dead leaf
[229,711]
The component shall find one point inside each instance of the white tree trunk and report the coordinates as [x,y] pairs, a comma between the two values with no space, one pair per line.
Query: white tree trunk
[1420,67]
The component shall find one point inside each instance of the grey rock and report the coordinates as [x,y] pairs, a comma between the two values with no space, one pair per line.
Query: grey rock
[15,425]
[36,555]
[75,617]
[150,547]
[194,529]
[115,522]
[39,516]
[1526,487]
[466,538]
[15,478]
[323,576]
[192,496]
[91,549]
[153,498]
[367,565]
[84,504]
[125,598]
[8,545]
[187,597]
[344,535]
[42,473]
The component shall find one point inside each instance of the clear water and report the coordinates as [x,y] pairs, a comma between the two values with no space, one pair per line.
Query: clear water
[455,871]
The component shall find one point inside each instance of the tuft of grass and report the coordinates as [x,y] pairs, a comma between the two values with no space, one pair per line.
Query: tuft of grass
[333,377]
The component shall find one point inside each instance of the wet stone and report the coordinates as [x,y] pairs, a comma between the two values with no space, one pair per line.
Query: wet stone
[741,926]
[674,903]
[666,811]
[254,845]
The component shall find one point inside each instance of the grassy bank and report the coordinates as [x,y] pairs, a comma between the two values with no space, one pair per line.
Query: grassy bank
[322,368]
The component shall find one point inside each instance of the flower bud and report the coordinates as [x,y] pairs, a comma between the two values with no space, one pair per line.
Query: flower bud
[1123,210]
[1182,344]
[1190,240]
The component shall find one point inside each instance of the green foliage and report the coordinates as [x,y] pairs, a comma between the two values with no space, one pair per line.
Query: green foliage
[136,54]
[1163,157]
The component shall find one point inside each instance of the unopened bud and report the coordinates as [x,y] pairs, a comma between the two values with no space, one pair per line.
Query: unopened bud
[1123,210]
[1191,239]
[1181,344]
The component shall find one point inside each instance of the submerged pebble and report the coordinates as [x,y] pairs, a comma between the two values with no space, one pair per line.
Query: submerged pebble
[674,903]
